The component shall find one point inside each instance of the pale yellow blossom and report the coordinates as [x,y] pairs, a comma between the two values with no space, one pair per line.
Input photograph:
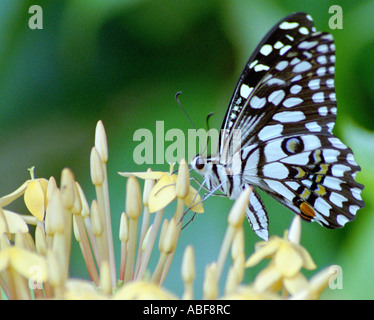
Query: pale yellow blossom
[35,197]
[165,190]
[287,260]
[143,290]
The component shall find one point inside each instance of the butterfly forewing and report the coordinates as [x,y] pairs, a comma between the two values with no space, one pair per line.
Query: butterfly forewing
[284,108]
[271,48]
[298,93]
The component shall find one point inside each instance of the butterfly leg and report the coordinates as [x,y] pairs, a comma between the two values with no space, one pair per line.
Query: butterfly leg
[204,197]
[209,193]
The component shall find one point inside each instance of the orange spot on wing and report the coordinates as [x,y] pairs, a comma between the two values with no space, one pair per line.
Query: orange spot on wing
[307,211]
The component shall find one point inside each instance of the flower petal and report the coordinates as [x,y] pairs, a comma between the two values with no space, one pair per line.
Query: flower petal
[193,201]
[5,200]
[248,292]
[287,260]
[77,289]
[294,234]
[35,198]
[162,193]
[28,264]
[307,259]
[266,250]
[152,175]
[266,278]
[295,283]
[15,223]
[319,282]
[316,285]
[4,259]
[141,290]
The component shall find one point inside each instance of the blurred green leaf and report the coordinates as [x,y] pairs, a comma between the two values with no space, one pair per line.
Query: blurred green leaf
[123,61]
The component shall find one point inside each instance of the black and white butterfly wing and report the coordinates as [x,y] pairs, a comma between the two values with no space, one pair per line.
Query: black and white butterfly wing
[273,46]
[282,114]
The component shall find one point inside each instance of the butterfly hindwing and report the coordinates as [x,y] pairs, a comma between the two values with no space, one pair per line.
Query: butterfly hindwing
[257,216]
[311,175]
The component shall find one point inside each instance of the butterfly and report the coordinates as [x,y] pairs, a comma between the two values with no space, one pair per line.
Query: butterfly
[277,132]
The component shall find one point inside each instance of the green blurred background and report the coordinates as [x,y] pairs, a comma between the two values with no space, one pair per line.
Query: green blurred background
[123,61]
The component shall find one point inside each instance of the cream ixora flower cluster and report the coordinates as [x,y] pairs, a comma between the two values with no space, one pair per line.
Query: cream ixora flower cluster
[36,266]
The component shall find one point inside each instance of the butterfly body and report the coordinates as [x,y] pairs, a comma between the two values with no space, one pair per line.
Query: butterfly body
[277,132]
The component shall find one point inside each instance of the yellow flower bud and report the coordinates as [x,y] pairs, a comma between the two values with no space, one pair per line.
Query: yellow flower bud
[101,141]
[55,220]
[146,238]
[133,198]
[237,247]
[170,239]
[96,221]
[76,230]
[183,180]
[294,234]
[40,241]
[210,285]
[52,185]
[85,211]
[124,228]
[188,265]
[105,282]
[237,213]
[97,171]
[163,231]
[148,185]
[67,188]
[55,276]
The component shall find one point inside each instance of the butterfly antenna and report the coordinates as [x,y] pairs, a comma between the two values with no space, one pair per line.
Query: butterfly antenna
[185,112]
[207,128]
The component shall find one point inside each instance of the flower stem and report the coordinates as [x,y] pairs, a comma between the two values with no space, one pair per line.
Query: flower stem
[145,226]
[108,223]
[87,254]
[151,241]
[178,216]
[130,257]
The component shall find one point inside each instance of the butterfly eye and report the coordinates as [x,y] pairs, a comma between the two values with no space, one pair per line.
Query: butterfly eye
[199,163]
